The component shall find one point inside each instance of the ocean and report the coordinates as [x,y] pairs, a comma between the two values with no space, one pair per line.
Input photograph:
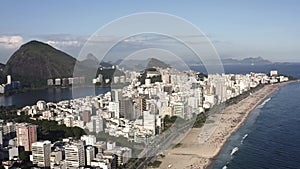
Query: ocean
[292,69]
[269,138]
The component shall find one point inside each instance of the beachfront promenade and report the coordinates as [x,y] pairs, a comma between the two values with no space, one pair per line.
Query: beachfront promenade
[202,144]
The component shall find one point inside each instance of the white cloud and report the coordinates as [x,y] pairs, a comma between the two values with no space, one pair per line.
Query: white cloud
[11,42]
[64,43]
[68,43]
[61,40]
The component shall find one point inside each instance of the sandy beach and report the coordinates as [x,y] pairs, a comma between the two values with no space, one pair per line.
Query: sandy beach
[201,145]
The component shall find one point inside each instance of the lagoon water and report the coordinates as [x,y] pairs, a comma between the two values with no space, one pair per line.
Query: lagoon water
[48,95]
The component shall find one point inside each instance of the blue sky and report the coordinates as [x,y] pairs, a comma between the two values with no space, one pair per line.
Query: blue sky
[238,29]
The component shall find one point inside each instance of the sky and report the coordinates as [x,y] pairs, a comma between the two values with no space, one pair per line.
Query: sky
[237,29]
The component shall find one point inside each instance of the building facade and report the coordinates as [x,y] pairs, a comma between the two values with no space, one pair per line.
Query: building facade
[26,135]
[41,153]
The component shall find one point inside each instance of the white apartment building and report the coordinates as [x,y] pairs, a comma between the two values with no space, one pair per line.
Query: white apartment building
[41,153]
[74,154]
[88,139]
[90,155]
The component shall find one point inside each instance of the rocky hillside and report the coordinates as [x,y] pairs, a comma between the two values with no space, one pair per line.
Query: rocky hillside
[35,61]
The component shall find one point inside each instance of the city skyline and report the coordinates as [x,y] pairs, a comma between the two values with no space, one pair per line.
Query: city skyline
[154,84]
[145,118]
[237,29]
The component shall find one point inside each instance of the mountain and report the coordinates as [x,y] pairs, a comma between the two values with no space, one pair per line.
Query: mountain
[34,62]
[246,61]
[157,63]
[256,60]
[90,61]
[139,65]
[132,64]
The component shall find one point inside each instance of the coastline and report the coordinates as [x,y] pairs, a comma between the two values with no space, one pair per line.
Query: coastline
[195,154]
[259,102]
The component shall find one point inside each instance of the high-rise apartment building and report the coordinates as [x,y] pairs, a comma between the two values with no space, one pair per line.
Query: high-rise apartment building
[126,108]
[96,124]
[74,154]
[26,135]
[89,155]
[41,153]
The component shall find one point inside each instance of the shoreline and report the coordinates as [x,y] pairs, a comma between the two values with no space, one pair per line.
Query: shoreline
[25,90]
[201,155]
[259,102]
[49,94]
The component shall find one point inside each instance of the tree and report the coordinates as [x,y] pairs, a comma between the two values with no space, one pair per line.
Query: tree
[200,120]
[25,155]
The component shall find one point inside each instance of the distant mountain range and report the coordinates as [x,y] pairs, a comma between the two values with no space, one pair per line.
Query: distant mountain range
[35,61]
[139,65]
[152,62]
[246,61]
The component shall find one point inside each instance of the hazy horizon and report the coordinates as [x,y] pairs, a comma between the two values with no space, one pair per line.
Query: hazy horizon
[237,29]
[112,61]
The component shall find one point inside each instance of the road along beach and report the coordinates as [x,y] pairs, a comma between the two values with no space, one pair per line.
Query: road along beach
[196,153]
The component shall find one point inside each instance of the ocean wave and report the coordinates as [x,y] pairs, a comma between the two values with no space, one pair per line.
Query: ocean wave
[224,167]
[244,137]
[266,101]
[234,150]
